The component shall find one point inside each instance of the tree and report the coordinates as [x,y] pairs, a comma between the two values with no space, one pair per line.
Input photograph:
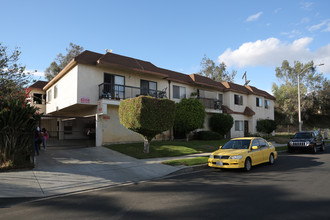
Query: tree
[217,73]
[17,118]
[287,92]
[12,75]
[221,123]
[189,115]
[61,61]
[147,116]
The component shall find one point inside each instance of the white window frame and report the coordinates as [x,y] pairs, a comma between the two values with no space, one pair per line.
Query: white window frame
[55,91]
[49,95]
[239,125]
[239,98]
[182,92]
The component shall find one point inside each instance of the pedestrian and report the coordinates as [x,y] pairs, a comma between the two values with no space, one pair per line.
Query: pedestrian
[45,137]
[37,141]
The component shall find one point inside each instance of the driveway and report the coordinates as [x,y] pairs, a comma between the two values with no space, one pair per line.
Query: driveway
[60,171]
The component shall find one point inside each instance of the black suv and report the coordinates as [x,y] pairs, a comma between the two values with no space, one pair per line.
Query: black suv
[310,140]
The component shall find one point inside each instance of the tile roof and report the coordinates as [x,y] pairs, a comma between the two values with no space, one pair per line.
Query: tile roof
[119,61]
[39,84]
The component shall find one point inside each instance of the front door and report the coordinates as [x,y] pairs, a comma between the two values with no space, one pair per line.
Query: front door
[246,128]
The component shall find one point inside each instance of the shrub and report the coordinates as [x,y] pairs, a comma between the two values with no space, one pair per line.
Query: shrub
[207,135]
[189,115]
[147,116]
[266,126]
[221,123]
[17,123]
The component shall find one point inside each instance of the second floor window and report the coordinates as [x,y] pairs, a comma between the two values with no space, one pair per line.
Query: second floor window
[258,102]
[238,99]
[49,95]
[267,104]
[179,92]
[55,91]
[148,88]
[37,98]
[220,97]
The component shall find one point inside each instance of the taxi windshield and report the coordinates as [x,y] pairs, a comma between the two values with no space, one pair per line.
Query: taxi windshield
[237,144]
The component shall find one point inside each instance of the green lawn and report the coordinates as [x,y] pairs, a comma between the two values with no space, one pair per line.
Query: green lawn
[187,162]
[168,148]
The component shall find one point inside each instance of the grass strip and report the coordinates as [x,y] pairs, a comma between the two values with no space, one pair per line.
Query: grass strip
[187,162]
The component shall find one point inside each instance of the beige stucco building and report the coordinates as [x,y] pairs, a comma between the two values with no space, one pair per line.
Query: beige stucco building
[84,97]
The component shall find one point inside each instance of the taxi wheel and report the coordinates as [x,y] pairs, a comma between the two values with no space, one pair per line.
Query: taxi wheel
[271,159]
[247,164]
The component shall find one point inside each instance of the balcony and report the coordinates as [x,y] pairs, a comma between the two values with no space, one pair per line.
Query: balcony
[211,105]
[120,92]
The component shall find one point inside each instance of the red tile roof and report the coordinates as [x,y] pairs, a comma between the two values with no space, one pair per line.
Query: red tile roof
[119,61]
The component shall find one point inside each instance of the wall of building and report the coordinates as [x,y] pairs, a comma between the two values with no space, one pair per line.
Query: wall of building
[66,92]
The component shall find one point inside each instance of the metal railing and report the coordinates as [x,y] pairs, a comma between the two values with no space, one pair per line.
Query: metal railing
[119,92]
[211,103]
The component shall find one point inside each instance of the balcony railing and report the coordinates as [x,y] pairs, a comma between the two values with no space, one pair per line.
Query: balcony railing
[119,92]
[211,103]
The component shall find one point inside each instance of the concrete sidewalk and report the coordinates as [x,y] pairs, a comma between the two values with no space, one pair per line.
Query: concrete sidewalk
[61,171]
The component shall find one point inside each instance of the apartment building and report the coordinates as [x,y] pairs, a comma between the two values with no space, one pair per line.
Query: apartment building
[85,97]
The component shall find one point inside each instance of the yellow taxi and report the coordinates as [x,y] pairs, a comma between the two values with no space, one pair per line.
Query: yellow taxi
[243,153]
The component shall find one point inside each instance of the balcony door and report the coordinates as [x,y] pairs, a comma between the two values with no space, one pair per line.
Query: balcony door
[114,85]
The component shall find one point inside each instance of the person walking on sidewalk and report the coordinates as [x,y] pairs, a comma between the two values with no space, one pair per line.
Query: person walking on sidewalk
[45,137]
[37,141]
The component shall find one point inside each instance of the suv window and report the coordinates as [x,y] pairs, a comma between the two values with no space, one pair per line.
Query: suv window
[263,143]
[255,143]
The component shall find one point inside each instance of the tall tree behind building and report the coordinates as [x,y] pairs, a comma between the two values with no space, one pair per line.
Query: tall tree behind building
[62,60]
[216,72]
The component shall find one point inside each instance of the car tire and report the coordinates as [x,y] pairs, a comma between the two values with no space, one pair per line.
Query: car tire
[314,149]
[247,164]
[322,147]
[271,159]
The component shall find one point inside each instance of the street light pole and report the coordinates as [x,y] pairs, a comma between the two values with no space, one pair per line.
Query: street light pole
[299,110]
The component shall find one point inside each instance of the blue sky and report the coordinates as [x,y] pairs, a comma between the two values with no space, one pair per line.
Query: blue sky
[252,36]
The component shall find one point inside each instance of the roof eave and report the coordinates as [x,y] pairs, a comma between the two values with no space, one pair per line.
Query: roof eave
[64,71]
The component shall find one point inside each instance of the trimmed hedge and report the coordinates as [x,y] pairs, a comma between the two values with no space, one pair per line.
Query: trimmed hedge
[189,115]
[207,135]
[266,126]
[146,115]
[221,123]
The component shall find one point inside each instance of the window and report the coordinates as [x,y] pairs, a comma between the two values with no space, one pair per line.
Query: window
[37,98]
[114,86]
[179,92]
[259,102]
[220,97]
[267,104]
[148,88]
[49,95]
[55,91]
[238,99]
[238,125]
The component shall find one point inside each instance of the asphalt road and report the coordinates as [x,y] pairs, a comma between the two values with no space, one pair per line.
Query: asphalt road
[296,187]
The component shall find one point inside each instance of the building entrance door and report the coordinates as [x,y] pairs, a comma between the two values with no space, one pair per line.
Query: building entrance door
[246,128]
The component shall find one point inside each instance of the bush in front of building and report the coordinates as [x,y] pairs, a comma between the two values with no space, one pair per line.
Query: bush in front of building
[207,135]
[266,126]
[147,116]
[189,115]
[221,123]
[18,120]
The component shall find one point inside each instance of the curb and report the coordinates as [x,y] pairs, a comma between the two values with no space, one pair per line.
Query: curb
[189,169]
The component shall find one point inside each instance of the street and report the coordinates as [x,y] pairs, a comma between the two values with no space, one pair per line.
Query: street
[297,186]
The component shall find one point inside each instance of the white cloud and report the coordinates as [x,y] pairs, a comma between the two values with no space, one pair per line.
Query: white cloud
[35,73]
[306,5]
[271,52]
[254,17]
[292,34]
[277,10]
[324,24]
